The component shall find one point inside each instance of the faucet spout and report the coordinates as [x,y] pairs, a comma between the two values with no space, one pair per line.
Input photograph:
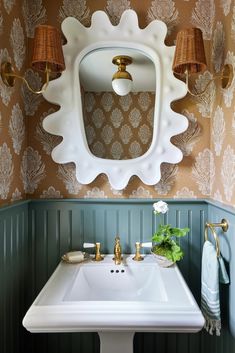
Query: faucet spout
[117,251]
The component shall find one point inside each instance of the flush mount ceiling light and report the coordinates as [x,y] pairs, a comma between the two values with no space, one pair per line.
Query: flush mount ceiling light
[122,81]
[190,59]
[47,57]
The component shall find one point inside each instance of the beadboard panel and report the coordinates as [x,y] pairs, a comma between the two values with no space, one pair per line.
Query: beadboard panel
[216,212]
[13,277]
[59,226]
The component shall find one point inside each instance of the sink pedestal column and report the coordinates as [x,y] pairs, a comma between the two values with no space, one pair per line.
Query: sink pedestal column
[116,342]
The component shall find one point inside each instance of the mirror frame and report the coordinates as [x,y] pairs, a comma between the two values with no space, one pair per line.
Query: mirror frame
[65,91]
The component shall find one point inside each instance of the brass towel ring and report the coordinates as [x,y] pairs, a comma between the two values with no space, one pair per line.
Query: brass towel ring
[215,237]
[223,225]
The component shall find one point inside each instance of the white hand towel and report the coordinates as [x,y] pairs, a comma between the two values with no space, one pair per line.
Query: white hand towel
[213,271]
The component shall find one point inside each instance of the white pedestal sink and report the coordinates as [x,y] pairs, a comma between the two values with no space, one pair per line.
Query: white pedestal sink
[116,301]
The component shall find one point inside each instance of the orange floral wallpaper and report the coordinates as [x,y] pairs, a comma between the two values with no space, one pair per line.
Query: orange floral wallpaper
[209,157]
[13,132]
[119,127]
[222,143]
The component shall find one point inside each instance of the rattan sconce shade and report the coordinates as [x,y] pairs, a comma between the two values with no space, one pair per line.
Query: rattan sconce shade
[189,52]
[48,49]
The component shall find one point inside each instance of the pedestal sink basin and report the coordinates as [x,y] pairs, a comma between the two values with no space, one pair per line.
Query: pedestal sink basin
[116,301]
[110,283]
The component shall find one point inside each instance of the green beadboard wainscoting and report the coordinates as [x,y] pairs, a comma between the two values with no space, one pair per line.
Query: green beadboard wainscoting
[34,235]
[14,275]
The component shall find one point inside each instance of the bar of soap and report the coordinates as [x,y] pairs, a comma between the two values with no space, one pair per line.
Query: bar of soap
[74,256]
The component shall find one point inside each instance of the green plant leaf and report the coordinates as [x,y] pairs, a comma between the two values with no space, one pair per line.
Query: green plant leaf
[158,238]
[171,250]
[177,253]
[166,245]
[179,232]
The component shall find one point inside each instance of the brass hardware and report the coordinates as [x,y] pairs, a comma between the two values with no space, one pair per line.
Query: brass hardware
[8,77]
[226,77]
[47,57]
[137,256]
[122,61]
[190,58]
[7,74]
[223,225]
[117,251]
[98,256]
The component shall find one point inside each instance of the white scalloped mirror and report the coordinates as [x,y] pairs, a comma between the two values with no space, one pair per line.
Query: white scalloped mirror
[65,91]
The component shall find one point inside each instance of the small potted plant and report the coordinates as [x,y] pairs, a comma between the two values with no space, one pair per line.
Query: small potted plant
[165,247]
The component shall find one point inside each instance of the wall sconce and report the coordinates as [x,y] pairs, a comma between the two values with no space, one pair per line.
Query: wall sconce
[47,57]
[122,81]
[190,59]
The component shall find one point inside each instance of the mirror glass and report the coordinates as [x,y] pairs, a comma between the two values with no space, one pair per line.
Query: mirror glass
[117,127]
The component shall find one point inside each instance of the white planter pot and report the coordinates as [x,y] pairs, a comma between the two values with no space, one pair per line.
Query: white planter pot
[162,260]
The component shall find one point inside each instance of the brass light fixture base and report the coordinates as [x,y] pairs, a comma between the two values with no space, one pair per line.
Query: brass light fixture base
[122,60]
[7,73]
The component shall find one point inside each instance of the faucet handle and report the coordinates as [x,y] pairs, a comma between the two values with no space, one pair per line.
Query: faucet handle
[98,256]
[117,239]
[137,256]
[139,245]
[88,245]
[147,244]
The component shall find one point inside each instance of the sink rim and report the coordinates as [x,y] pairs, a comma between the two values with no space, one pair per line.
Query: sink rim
[111,315]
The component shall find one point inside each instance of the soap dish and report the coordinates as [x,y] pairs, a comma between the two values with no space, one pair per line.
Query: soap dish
[85,258]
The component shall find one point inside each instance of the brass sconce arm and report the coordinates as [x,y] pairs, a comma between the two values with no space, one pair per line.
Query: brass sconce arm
[226,77]
[8,77]
[47,58]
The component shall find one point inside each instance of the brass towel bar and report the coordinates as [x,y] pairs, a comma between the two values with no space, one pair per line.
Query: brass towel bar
[223,225]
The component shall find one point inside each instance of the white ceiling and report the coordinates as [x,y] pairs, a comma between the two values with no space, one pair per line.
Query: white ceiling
[96,70]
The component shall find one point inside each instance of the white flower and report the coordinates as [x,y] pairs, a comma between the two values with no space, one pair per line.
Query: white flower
[160,207]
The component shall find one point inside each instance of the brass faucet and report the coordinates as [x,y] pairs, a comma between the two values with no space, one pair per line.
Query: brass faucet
[117,251]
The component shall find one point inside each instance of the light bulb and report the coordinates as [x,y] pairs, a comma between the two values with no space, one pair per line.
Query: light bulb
[122,86]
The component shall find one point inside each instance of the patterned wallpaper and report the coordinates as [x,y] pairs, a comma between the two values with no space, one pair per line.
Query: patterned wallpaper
[119,127]
[207,145]
[13,133]
[223,115]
